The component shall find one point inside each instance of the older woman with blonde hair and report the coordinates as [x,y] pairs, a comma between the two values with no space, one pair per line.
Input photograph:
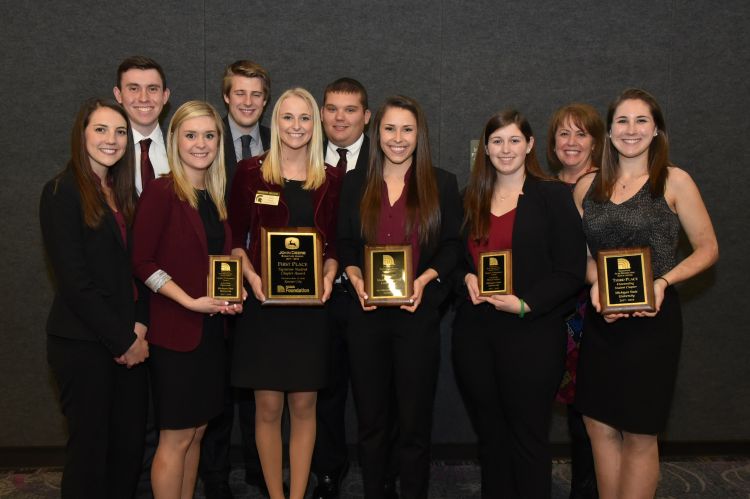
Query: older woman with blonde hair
[180,221]
[281,352]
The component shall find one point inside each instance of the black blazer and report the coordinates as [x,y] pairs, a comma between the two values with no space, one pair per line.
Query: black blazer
[94,281]
[442,255]
[231,159]
[364,153]
[549,250]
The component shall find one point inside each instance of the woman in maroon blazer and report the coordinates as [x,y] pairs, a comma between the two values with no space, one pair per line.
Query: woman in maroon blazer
[282,351]
[181,220]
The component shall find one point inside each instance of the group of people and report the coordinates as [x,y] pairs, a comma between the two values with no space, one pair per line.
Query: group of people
[130,223]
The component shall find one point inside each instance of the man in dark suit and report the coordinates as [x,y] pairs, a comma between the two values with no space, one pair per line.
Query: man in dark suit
[345,114]
[141,88]
[245,87]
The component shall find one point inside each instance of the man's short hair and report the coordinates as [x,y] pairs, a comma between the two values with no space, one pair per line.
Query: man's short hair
[248,69]
[140,62]
[348,86]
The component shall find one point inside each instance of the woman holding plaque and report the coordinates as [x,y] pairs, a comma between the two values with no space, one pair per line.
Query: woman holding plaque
[181,220]
[509,349]
[403,200]
[281,352]
[574,145]
[628,362]
[97,324]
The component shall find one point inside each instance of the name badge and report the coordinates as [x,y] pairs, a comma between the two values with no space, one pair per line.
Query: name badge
[267,197]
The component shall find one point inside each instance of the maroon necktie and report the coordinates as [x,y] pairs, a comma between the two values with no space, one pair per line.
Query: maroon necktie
[147,169]
[342,158]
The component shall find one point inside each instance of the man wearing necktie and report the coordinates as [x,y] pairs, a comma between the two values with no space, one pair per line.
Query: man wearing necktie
[245,88]
[142,90]
[345,114]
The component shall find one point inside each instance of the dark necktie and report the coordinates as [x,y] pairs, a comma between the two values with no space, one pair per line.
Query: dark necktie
[342,158]
[246,139]
[147,169]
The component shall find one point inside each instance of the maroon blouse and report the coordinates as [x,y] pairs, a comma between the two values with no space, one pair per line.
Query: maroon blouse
[392,222]
[500,236]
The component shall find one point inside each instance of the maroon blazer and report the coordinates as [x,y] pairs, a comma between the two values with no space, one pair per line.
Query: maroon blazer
[247,217]
[168,234]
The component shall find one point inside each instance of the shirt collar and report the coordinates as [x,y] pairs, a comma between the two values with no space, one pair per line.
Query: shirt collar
[155,135]
[237,132]
[352,149]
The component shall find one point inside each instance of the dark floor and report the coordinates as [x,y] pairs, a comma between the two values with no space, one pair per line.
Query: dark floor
[710,478]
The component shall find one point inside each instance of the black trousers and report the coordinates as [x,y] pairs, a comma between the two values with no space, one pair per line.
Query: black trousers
[331,454]
[105,408]
[391,349]
[509,370]
[215,463]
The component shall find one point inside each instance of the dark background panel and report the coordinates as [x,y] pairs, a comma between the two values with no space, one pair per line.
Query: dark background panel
[462,61]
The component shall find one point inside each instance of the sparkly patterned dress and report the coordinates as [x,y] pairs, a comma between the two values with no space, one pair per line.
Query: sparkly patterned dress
[627,369]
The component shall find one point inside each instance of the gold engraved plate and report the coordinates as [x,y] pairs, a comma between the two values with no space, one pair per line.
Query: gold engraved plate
[625,280]
[495,273]
[225,278]
[291,266]
[389,276]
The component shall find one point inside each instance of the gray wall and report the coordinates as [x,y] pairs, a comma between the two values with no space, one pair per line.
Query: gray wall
[462,60]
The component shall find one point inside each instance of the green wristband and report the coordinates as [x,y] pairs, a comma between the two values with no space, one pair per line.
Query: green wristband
[523,309]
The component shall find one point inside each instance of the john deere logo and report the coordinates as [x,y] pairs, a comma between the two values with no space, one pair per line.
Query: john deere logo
[623,264]
[291,243]
[225,267]
[280,288]
[493,262]
[388,261]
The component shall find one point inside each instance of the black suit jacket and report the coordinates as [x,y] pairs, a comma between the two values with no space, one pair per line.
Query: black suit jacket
[549,250]
[231,159]
[94,283]
[442,255]
[364,153]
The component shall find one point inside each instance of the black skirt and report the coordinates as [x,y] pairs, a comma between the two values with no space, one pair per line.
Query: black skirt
[281,348]
[188,387]
[627,369]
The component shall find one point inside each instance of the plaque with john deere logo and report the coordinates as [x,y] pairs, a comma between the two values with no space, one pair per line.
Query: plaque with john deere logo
[225,277]
[626,282]
[389,276]
[291,265]
[495,273]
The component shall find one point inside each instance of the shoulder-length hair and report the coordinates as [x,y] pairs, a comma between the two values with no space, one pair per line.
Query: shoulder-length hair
[478,196]
[216,180]
[316,168]
[120,176]
[422,199]
[586,118]
[658,151]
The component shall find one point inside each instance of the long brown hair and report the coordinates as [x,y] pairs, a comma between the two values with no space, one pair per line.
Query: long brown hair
[478,196]
[422,204]
[120,175]
[658,151]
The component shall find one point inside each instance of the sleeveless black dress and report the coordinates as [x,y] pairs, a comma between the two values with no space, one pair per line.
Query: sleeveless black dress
[627,369]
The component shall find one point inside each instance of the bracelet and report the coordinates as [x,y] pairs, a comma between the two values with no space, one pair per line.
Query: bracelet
[523,310]
[663,279]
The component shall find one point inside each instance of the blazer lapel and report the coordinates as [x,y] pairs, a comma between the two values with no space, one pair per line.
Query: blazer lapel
[197,224]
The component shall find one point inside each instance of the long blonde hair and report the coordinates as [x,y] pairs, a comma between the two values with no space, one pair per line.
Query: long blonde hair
[216,180]
[316,170]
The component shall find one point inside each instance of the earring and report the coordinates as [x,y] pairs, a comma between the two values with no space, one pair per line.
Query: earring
[656,132]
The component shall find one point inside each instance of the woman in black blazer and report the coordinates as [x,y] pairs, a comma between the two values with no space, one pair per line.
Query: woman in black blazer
[400,199]
[509,350]
[97,324]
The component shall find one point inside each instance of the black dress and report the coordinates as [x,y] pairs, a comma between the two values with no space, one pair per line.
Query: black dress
[283,348]
[627,369]
[189,386]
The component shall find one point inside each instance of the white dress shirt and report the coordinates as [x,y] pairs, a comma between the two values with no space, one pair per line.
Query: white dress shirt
[352,153]
[157,153]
